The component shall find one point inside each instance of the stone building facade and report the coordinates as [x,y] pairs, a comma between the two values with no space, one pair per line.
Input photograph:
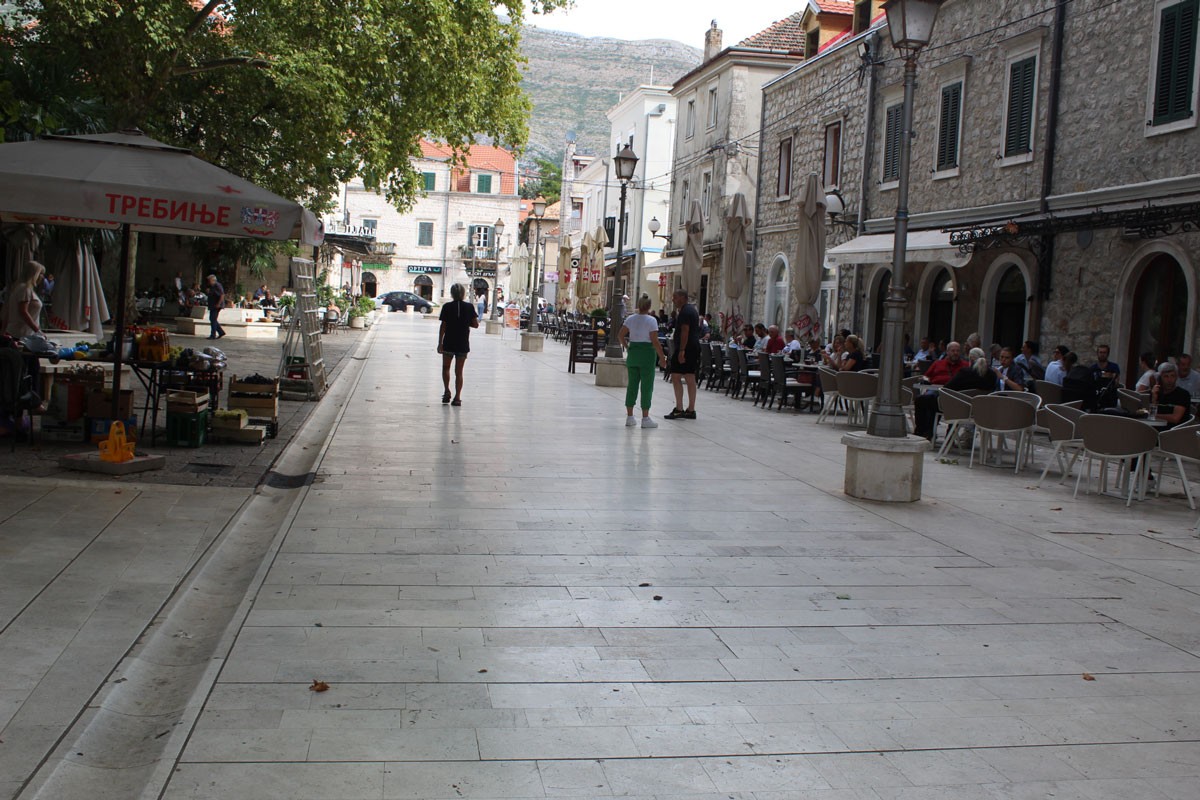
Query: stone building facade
[1054,209]
[448,236]
[716,145]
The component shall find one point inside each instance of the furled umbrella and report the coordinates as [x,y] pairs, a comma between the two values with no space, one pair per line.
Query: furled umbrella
[565,252]
[597,277]
[21,242]
[693,251]
[583,276]
[810,256]
[518,282]
[733,260]
[79,303]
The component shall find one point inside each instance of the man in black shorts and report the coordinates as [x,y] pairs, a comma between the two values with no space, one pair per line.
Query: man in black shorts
[686,359]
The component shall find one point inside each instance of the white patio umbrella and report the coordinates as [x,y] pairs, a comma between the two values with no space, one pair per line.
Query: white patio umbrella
[79,303]
[565,251]
[693,251]
[810,255]
[600,237]
[129,181]
[733,256]
[583,276]
[518,282]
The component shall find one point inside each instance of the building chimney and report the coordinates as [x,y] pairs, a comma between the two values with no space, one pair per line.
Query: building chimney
[712,41]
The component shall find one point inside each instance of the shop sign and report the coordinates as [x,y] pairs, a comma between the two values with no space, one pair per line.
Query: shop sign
[376,267]
[481,272]
[424,270]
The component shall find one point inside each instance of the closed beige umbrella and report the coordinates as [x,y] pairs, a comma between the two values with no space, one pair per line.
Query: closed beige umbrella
[693,251]
[809,264]
[518,281]
[597,277]
[734,251]
[583,274]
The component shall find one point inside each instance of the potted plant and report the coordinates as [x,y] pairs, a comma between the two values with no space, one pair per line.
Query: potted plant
[362,312]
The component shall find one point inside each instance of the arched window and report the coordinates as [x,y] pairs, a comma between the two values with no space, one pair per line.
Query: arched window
[1008,309]
[941,308]
[1160,306]
[775,309]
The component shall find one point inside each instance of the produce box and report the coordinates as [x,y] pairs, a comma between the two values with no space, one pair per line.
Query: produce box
[67,401]
[186,430]
[229,420]
[98,427]
[54,431]
[251,434]
[184,402]
[255,406]
[99,404]
[244,387]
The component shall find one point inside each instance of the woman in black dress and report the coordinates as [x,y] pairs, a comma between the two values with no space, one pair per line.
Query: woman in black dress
[454,340]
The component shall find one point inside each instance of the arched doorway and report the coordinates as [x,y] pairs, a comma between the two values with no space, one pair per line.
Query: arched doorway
[879,311]
[1008,309]
[1160,307]
[775,309]
[370,284]
[423,285]
[941,308]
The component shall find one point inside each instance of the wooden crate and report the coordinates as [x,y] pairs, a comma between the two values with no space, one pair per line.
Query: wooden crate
[242,387]
[183,402]
[267,407]
[251,434]
[221,422]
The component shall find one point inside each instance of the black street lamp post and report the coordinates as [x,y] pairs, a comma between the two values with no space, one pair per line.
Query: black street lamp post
[626,162]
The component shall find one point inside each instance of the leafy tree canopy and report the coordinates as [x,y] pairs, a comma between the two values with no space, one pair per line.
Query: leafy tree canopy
[295,95]
[548,183]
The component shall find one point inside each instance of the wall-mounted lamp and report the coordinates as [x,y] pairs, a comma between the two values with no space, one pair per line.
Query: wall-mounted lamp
[835,206]
[655,226]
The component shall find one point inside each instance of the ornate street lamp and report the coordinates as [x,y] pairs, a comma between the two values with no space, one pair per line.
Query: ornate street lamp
[655,226]
[497,232]
[539,211]
[625,163]
[910,25]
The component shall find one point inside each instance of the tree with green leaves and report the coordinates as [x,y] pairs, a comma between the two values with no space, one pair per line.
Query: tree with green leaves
[548,182]
[294,95]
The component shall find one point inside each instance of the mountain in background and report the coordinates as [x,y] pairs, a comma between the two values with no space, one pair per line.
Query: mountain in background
[572,80]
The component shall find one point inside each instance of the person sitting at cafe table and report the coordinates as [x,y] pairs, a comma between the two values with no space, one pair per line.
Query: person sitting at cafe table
[853,359]
[1104,370]
[1147,372]
[834,351]
[746,340]
[1028,360]
[925,352]
[1189,379]
[760,338]
[1168,397]
[1056,370]
[774,343]
[791,345]
[1010,376]
[940,372]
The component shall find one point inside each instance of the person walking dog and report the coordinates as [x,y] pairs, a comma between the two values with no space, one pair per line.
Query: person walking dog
[454,340]
[639,336]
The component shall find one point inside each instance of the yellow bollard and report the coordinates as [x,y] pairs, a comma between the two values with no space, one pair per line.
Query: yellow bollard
[115,448]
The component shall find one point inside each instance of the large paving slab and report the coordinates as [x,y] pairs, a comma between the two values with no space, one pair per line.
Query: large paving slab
[522,598]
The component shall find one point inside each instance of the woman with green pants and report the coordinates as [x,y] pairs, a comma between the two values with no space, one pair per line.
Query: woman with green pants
[639,336]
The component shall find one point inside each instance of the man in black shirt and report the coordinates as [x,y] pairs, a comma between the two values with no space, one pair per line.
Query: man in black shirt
[1168,398]
[686,358]
[216,301]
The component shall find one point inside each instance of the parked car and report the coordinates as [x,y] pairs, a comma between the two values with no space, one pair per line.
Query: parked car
[400,301]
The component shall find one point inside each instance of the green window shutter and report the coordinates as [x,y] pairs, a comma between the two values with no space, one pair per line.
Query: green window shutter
[425,234]
[1176,62]
[430,181]
[485,184]
[470,236]
[1022,77]
[891,143]
[947,149]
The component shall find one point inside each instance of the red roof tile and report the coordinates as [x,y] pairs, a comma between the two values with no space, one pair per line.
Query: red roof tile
[835,7]
[786,34]
[480,158]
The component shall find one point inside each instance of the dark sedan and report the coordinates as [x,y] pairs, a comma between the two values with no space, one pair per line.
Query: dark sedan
[400,301]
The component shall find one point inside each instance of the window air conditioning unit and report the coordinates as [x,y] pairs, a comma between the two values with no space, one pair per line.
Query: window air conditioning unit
[462,226]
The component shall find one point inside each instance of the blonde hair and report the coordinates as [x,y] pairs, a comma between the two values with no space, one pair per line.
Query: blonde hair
[33,269]
[644,304]
[854,341]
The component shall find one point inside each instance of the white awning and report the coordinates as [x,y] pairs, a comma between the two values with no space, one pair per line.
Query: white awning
[876,248]
[668,265]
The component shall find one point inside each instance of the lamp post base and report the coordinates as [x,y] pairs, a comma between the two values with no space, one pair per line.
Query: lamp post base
[494,327]
[532,342]
[611,372]
[884,468]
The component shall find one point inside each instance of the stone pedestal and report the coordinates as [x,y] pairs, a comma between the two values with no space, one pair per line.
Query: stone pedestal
[532,342]
[494,327]
[611,372]
[885,469]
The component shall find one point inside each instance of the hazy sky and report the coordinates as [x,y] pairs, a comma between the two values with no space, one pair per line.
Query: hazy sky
[682,20]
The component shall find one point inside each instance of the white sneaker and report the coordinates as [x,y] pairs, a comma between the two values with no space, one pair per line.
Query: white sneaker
[630,422]
[647,422]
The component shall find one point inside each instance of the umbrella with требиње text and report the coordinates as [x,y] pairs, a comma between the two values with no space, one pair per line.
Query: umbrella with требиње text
[128,181]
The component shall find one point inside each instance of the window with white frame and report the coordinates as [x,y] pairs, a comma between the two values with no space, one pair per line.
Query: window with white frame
[893,119]
[831,172]
[706,194]
[691,118]
[1173,67]
[1022,73]
[685,195]
[783,184]
[712,107]
[949,127]
[424,234]
[370,226]
[480,236]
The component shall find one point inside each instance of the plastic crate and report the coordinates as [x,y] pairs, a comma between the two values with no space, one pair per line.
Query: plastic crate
[186,430]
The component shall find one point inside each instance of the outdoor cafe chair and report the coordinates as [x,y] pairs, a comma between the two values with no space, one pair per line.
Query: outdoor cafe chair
[857,389]
[1059,422]
[747,378]
[1032,398]
[999,416]
[781,384]
[737,358]
[1126,441]
[706,364]
[765,390]
[830,399]
[1180,444]
[720,368]
[1049,392]
[954,409]
[1131,401]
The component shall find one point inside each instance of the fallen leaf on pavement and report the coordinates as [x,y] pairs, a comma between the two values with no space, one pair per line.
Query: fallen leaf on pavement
[1056,509]
[318,686]
[1087,676]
